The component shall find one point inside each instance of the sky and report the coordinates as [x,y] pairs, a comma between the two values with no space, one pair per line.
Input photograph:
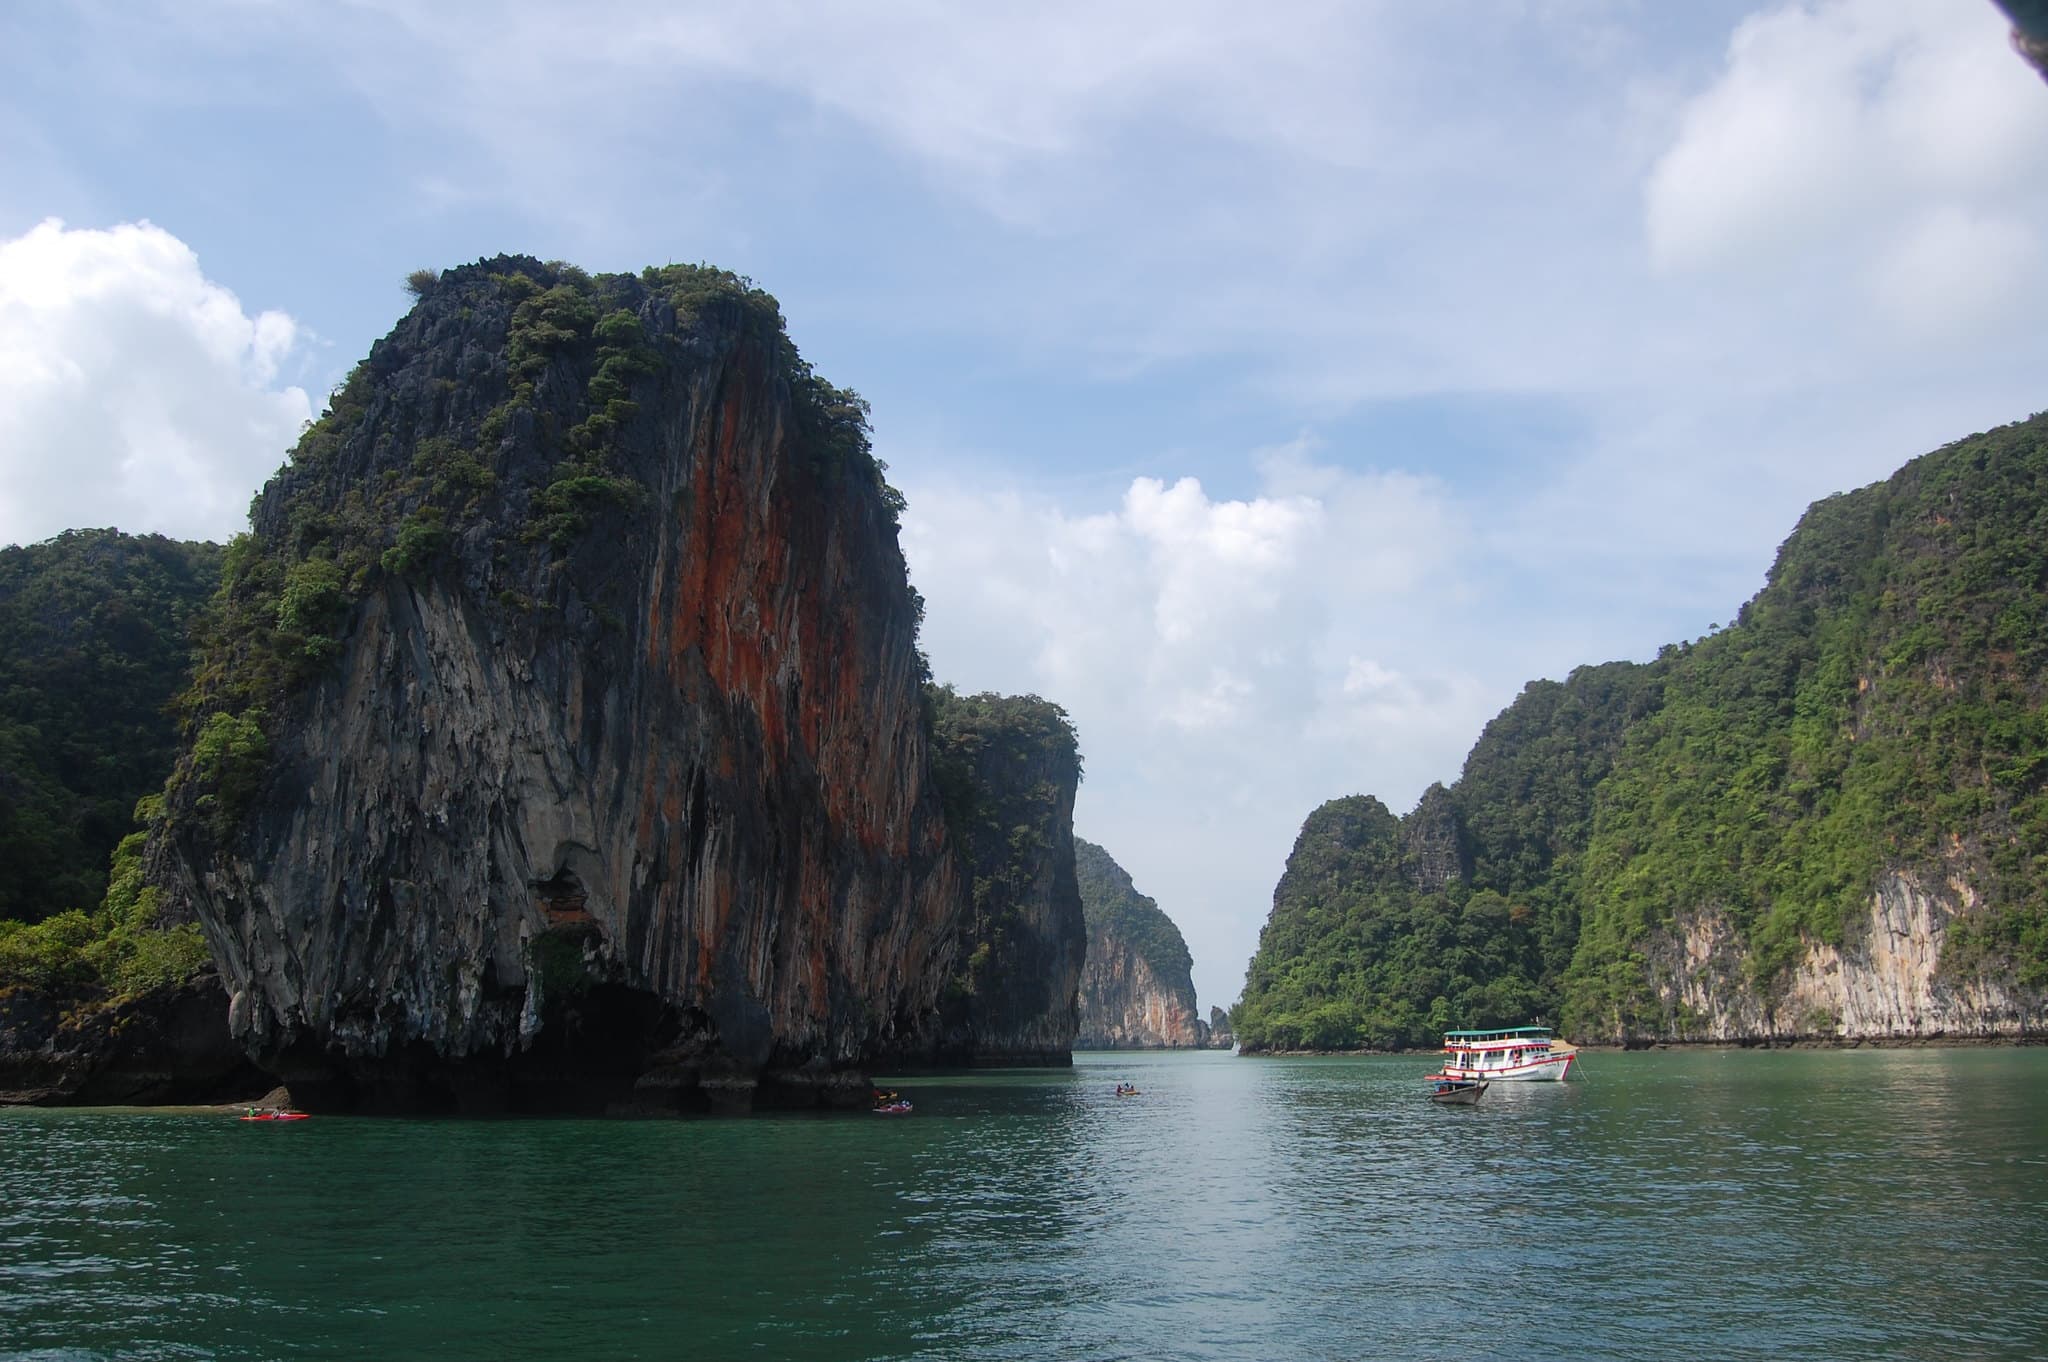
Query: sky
[1277,388]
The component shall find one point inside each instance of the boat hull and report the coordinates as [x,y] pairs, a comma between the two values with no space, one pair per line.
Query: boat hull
[1550,1069]
[1456,1092]
[1512,1054]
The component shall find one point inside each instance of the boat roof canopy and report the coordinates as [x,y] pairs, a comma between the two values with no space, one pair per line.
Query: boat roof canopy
[1498,1033]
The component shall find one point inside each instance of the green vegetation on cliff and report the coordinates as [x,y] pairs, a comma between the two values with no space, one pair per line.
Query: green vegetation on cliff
[1387,931]
[1878,707]
[1112,906]
[1357,956]
[121,950]
[1007,767]
[98,629]
[99,640]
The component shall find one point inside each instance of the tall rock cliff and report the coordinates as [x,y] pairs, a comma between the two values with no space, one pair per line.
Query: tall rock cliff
[1822,822]
[559,742]
[1886,979]
[1009,767]
[1137,988]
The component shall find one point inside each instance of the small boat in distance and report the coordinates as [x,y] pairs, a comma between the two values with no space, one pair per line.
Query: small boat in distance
[271,1114]
[1523,1054]
[1454,1091]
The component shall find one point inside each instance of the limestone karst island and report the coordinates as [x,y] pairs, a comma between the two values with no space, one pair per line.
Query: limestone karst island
[557,738]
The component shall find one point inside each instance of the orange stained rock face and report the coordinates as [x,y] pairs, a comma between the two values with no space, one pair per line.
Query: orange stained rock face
[766,610]
[720,599]
[732,605]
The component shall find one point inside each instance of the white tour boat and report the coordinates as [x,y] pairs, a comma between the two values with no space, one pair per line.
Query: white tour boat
[1527,1054]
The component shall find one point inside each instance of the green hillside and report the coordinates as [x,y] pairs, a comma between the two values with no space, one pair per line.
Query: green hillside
[1877,707]
[1113,907]
[98,629]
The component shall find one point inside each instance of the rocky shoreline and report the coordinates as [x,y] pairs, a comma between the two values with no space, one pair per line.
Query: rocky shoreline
[169,1046]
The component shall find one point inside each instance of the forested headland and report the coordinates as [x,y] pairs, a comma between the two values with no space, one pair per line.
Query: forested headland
[1719,842]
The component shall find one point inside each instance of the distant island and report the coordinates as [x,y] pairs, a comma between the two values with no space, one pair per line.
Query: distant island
[1137,986]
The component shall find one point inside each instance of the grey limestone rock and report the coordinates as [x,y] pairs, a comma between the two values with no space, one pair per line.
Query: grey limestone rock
[619,797]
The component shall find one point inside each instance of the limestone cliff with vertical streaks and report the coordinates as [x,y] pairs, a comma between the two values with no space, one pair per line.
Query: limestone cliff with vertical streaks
[560,743]
[1137,989]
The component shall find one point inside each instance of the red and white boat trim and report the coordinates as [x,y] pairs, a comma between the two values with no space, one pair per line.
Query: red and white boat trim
[1528,1054]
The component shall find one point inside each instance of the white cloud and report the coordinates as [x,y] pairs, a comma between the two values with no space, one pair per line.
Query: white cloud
[982,92]
[1893,149]
[1952,270]
[1212,562]
[1212,654]
[134,391]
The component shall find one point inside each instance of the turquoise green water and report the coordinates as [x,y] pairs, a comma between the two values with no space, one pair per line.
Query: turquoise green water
[1714,1205]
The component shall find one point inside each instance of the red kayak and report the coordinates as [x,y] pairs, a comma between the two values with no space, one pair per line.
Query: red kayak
[275,1116]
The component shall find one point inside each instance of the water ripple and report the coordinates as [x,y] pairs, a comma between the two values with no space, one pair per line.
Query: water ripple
[1775,1205]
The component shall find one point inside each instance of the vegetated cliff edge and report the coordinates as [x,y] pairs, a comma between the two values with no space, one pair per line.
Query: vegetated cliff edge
[1137,987]
[1008,768]
[101,998]
[1824,822]
[97,641]
[559,740]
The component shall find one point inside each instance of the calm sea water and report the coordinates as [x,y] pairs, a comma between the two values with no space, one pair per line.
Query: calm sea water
[1884,1204]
